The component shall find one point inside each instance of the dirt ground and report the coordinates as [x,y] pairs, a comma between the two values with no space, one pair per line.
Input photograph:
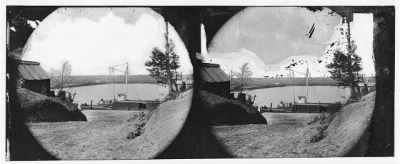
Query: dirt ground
[95,139]
[289,134]
[104,135]
[285,133]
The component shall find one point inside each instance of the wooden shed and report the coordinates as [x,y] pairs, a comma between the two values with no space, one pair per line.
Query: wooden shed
[33,77]
[214,80]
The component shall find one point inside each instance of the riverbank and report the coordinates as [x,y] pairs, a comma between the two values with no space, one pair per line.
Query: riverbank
[255,83]
[259,83]
[105,135]
[41,108]
[316,94]
[100,83]
[77,81]
[223,111]
[294,135]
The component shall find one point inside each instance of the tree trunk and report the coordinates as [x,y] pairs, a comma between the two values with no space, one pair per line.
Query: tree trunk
[353,90]
[241,84]
[349,65]
[358,90]
[169,78]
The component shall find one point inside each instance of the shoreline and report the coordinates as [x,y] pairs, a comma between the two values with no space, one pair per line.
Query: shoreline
[100,83]
[279,85]
[259,83]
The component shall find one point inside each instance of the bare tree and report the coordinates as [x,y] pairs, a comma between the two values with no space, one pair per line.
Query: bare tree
[62,76]
[244,75]
[231,75]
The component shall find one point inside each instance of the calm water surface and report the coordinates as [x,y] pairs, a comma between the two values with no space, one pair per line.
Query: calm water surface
[85,94]
[323,94]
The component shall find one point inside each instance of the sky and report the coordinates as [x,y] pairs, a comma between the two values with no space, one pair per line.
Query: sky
[268,38]
[92,39]
[363,35]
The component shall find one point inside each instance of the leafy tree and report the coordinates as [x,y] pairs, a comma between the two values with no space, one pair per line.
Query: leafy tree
[343,68]
[157,65]
[162,64]
[174,58]
[244,75]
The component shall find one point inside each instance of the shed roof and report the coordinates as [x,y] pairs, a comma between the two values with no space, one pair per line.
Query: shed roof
[30,70]
[212,73]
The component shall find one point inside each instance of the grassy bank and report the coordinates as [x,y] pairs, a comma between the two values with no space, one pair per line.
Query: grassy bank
[293,135]
[257,83]
[223,111]
[105,134]
[76,81]
[40,108]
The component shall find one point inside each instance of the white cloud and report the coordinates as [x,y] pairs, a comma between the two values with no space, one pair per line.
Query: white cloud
[316,68]
[92,45]
[361,30]
[233,60]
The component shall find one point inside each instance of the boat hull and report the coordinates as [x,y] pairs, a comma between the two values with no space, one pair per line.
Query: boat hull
[135,105]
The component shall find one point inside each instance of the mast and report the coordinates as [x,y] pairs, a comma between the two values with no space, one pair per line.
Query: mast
[291,73]
[125,71]
[113,81]
[126,80]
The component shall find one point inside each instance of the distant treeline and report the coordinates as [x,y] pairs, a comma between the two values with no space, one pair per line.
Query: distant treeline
[256,83]
[75,81]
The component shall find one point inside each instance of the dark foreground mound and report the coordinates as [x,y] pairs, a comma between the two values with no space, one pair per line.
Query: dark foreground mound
[41,108]
[224,111]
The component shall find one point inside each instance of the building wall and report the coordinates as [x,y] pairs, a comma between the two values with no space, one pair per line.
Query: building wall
[39,86]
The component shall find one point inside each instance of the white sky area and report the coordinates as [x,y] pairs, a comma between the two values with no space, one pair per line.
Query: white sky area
[270,37]
[92,39]
[363,35]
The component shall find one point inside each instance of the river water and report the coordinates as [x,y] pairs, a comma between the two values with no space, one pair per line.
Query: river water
[85,94]
[322,94]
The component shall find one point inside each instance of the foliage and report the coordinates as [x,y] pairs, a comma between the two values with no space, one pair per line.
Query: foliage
[346,65]
[139,130]
[244,75]
[320,134]
[160,61]
[342,70]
